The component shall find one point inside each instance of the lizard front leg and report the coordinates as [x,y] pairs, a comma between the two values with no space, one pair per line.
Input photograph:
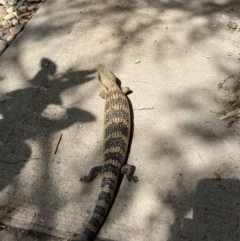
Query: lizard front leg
[92,174]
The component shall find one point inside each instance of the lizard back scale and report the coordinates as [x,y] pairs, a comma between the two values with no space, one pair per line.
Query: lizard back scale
[117,127]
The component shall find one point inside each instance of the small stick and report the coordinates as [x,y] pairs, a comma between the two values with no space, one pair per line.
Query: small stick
[56,142]
[208,57]
[150,108]
[233,113]
[221,84]
[219,112]
[20,160]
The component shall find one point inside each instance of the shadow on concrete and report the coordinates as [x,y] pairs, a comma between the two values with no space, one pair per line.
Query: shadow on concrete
[203,209]
[49,91]
[125,34]
[209,213]
[33,123]
[45,89]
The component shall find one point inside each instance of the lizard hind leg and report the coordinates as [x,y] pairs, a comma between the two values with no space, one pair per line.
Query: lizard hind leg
[92,174]
[129,171]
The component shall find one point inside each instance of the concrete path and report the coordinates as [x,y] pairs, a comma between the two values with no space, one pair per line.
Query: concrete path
[173,55]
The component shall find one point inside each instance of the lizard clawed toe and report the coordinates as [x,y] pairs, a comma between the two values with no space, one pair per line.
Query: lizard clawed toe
[132,178]
[83,179]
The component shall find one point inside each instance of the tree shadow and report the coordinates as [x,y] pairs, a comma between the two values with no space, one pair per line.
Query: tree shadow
[209,213]
[129,20]
[125,35]
[41,116]
[45,90]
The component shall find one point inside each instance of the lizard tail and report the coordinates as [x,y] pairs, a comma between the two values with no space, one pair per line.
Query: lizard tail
[101,209]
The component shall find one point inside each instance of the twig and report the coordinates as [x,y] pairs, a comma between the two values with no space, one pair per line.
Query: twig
[20,160]
[56,142]
[219,113]
[150,108]
[221,84]
[227,143]
[179,1]
[139,128]
[233,113]
[208,57]
[200,156]
[236,41]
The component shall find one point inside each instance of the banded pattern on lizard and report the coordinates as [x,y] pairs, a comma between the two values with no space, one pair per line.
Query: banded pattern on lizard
[117,126]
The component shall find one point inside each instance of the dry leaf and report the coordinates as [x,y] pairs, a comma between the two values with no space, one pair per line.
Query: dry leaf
[216,176]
